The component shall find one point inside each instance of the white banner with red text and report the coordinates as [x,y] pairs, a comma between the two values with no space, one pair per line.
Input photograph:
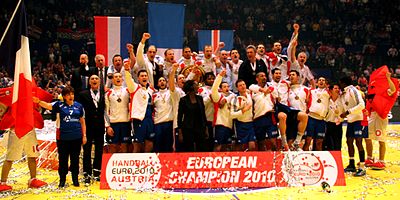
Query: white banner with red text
[221,170]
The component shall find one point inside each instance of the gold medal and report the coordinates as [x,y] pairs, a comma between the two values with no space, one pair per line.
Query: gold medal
[319,101]
[297,97]
[347,103]
[119,100]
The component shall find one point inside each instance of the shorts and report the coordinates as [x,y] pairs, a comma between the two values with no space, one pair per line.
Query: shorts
[244,132]
[164,139]
[291,120]
[122,133]
[377,127]
[265,127]
[223,135]
[143,130]
[356,130]
[316,128]
[16,146]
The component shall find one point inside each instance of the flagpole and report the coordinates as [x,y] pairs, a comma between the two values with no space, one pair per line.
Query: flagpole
[9,23]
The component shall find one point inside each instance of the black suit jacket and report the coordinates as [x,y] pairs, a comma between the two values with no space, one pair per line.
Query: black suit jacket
[76,80]
[95,71]
[247,74]
[93,116]
[186,119]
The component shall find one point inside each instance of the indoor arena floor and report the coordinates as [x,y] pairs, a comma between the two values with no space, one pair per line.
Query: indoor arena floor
[384,184]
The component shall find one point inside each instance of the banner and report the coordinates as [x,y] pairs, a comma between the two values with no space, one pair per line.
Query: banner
[221,170]
[214,37]
[166,28]
[48,157]
[112,34]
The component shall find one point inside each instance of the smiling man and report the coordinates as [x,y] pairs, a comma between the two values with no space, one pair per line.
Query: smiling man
[118,127]
[93,103]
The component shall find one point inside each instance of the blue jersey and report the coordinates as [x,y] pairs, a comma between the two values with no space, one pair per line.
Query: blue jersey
[70,125]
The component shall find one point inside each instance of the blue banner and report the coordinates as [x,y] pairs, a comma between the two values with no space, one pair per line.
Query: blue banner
[166,23]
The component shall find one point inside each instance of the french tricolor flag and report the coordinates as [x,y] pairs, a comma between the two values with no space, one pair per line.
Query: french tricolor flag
[14,50]
[214,37]
[112,34]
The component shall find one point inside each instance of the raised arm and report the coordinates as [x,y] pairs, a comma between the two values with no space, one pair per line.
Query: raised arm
[140,50]
[132,56]
[293,44]
[218,50]
[392,87]
[131,85]
[171,77]
[42,104]
[214,89]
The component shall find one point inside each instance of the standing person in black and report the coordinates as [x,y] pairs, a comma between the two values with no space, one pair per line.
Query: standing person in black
[94,105]
[192,121]
[101,71]
[80,75]
[249,68]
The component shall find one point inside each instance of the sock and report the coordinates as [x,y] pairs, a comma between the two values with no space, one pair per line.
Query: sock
[351,161]
[370,158]
[284,141]
[362,155]
[298,138]
[382,161]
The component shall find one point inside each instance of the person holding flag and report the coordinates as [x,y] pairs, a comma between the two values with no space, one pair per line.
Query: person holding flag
[382,93]
[14,54]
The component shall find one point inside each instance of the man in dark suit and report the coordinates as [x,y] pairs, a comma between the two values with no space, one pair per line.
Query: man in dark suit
[101,71]
[80,75]
[93,103]
[249,68]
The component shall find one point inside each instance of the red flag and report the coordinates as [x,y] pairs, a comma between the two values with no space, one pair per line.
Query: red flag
[382,103]
[15,42]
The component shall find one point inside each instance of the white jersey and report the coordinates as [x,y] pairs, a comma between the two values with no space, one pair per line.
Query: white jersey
[335,108]
[116,105]
[305,72]
[298,96]
[263,103]
[235,73]
[222,114]
[143,62]
[208,64]
[163,106]
[281,91]
[319,103]
[237,104]
[205,92]
[139,98]
[353,102]
[183,63]
[278,61]
[167,69]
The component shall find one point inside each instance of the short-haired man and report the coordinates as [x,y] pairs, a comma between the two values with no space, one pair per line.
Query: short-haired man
[249,68]
[141,110]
